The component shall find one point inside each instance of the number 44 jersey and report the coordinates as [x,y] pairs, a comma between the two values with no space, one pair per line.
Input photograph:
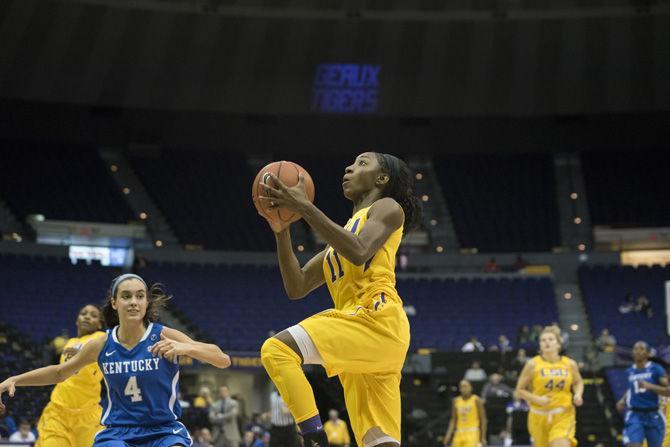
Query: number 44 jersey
[554,380]
[141,389]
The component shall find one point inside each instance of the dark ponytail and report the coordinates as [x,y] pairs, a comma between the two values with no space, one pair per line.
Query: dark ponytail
[400,187]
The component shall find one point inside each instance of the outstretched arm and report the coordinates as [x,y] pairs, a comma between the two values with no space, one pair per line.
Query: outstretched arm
[384,217]
[174,342]
[50,375]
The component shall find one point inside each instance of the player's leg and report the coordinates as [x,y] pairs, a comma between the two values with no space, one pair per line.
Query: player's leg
[86,427]
[562,429]
[633,430]
[373,405]
[54,429]
[538,430]
[654,429]
[111,437]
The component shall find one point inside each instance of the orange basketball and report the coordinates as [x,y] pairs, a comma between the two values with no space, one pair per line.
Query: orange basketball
[287,172]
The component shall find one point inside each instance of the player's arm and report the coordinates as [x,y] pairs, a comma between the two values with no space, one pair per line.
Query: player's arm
[298,281]
[662,389]
[577,384]
[483,422]
[384,217]
[52,374]
[452,424]
[174,342]
[523,384]
[621,404]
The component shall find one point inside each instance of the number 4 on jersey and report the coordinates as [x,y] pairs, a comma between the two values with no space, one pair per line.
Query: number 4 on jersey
[133,390]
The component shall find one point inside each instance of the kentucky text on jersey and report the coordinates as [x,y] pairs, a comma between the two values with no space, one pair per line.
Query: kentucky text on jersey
[130,366]
[638,397]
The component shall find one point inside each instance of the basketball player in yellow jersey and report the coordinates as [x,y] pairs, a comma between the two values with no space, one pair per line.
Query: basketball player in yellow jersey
[468,418]
[364,338]
[72,416]
[553,387]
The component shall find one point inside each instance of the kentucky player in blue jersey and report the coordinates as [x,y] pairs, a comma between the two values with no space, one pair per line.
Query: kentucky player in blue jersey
[139,362]
[646,381]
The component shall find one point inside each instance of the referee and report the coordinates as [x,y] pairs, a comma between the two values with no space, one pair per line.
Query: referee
[283,432]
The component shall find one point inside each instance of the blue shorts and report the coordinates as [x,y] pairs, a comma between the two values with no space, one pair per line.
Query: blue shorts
[157,436]
[641,425]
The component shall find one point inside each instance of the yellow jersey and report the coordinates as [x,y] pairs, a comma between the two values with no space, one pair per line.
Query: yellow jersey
[467,415]
[82,390]
[553,380]
[337,432]
[353,285]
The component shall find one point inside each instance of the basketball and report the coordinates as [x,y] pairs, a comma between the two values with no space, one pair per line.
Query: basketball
[288,173]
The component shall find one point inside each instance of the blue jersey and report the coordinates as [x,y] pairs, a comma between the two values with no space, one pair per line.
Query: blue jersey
[141,389]
[639,398]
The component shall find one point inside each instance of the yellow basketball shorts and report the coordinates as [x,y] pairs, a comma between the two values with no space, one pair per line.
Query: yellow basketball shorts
[63,427]
[470,438]
[366,348]
[545,427]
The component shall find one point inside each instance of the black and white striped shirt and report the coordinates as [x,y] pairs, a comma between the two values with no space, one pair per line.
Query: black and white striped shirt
[280,414]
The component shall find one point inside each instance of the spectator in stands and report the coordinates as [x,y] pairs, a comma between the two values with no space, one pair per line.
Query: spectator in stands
[475,373]
[283,431]
[644,306]
[606,342]
[535,334]
[504,344]
[491,266]
[336,430]
[473,345]
[203,399]
[523,337]
[628,305]
[24,434]
[520,360]
[517,409]
[203,438]
[58,344]
[184,403]
[403,261]
[223,415]
[519,263]
[7,424]
[496,388]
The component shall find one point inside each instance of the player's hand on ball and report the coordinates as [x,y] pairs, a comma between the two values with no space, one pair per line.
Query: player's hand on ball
[276,227]
[8,387]
[293,198]
[169,348]
[577,400]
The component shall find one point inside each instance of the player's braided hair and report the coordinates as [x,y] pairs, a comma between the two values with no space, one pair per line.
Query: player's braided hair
[400,187]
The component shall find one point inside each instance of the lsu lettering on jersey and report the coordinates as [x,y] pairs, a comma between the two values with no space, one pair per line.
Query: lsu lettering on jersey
[553,380]
[467,414]
[639,398]
[141,389]
[353,285]
[82,390]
